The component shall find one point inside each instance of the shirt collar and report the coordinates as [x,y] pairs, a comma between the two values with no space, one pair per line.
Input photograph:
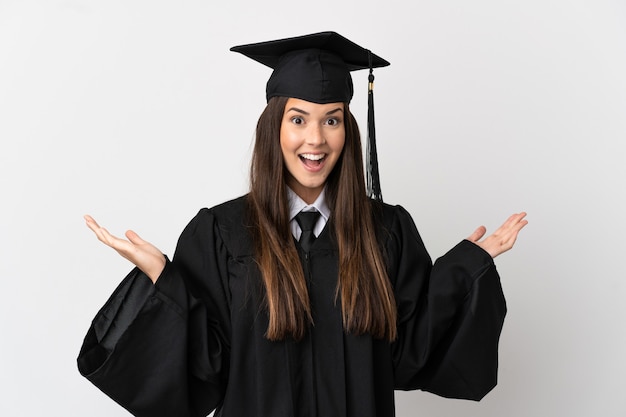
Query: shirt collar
[296,204]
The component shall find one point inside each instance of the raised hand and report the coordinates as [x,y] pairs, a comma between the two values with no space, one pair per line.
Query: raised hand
[502,239]
[144,255]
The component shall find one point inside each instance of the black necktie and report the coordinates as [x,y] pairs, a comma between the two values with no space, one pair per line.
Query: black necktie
[307,220]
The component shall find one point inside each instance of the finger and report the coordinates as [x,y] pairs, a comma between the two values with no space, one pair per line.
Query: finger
[105,237]
[100,232]
[514,231]
[512,228]
[134,238]
[508,239]
[520,217]
[478,234]
[512,220]
[108,239]
[91,223]
[512,224]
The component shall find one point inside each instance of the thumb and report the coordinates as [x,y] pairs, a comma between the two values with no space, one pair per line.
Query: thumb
[134,237]
[478,234]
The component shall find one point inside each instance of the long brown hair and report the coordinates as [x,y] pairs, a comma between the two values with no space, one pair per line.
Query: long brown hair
[363,288]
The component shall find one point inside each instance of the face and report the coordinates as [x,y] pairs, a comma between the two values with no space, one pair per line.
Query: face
[311,138]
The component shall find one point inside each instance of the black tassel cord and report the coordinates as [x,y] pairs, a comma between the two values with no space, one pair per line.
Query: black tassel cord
[373,179]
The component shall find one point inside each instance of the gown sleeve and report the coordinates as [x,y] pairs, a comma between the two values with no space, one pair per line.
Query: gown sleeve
[162,350]
[450,316]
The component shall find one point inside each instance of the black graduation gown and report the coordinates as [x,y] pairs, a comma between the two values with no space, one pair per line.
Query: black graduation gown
[194,341]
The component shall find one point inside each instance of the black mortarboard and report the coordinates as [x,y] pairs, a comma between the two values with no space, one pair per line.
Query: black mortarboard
[317,68]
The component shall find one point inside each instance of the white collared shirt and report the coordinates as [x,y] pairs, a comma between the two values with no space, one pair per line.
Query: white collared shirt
[296,205]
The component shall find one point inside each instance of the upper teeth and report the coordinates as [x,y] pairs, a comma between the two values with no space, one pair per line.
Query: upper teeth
[312,157]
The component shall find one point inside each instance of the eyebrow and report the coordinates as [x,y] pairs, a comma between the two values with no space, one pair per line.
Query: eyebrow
[307,113]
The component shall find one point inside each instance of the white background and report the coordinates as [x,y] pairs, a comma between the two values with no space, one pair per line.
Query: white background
[137,113]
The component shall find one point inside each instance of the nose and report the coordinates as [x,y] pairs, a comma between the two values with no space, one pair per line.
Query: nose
[315,135]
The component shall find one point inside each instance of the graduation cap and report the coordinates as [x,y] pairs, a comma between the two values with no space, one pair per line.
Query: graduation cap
[316,68]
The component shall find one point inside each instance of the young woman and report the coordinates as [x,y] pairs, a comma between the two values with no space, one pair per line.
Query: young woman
[260,314]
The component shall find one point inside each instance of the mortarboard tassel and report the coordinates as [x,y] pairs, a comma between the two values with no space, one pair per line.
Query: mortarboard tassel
[373,180]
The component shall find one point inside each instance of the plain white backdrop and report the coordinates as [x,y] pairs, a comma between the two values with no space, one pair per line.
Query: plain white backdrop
[135,111]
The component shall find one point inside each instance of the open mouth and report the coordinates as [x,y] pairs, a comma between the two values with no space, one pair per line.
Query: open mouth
[312,160]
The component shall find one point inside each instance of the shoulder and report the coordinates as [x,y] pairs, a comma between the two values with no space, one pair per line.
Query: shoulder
[226,211]
[389,216]
[227,223]
[230,211]
[395,228]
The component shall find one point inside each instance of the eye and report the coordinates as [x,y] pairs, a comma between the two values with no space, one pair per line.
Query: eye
[333,121]
[297,120]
